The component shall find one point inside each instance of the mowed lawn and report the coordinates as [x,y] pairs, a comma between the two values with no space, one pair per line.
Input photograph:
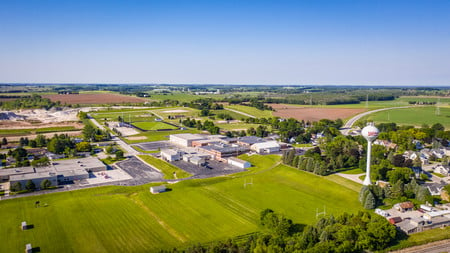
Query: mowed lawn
[153,125]
[130,219]
[251,110]
[415,116]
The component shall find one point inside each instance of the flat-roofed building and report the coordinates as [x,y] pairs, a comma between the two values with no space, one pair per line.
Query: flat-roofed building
[90,164]
[185,140]
[219,152]
[5,174]
[37,178]
[171,155]
[266,147]
[239,163]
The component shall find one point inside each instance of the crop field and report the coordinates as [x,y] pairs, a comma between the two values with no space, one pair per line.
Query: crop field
[251,110]
[118,219]
[314,113]
[98,98]
[151,126]
[415,116]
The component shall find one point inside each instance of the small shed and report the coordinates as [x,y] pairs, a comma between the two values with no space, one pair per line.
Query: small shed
[28,248]
[158,189]
[24,225]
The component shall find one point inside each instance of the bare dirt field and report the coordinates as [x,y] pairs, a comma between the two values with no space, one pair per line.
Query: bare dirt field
[100,98]
[313,113]
[9,124]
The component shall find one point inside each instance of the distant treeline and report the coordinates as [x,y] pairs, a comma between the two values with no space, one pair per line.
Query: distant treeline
[29,102]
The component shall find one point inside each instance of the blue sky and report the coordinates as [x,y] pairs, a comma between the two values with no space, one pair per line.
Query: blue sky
[366,42]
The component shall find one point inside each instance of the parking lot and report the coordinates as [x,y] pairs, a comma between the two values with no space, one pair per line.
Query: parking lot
[139,171]
[154,145]
[213,168]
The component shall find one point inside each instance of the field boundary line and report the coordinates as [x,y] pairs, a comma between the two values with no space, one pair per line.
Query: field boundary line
[166,226]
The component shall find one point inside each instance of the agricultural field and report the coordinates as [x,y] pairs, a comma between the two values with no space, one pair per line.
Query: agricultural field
[314,113]
[117,219]
[414,116]
[152,126]
[96,98]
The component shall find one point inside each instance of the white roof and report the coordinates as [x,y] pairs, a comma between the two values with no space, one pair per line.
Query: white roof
[169,151]
[189,136]
[235,159]
[267,144]
[72,164]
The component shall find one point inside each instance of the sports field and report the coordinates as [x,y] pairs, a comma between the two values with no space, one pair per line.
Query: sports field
[415,116]
[130,219]
[153,126]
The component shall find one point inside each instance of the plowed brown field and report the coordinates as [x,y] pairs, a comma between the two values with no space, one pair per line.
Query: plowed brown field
[313,113]
[101,98]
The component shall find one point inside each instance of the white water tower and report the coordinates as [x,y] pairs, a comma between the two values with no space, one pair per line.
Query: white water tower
[370,133]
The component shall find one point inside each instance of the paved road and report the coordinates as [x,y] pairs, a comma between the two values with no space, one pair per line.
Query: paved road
[434,247]
[349,124]
[128,150]
[242,113]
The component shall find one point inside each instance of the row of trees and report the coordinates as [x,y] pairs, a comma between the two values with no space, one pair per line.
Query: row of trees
[373,195]
[28,102]
[207,125]
[30,186]
[359,232]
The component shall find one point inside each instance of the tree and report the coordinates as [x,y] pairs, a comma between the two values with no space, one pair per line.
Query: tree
[119,154]
[89,132]
[45,184]
[43,161]
[370,202]
[4,141]
[29,185]
[15,187]
[83,146]
[40,140]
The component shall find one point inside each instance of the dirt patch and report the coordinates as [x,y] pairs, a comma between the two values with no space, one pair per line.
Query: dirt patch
[136,138]
[9,124]
[313,113]
[100,98]
[175,111]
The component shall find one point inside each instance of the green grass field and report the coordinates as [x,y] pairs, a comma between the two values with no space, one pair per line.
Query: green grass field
[415,116]
[133,115]
[153,125]
[158,135]
[166,168]
[130,219]
[236,126]
[19,132]
[251,110]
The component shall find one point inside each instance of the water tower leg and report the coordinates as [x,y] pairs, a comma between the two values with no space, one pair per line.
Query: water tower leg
[367,180]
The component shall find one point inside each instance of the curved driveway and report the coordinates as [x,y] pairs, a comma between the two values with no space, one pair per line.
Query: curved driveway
[349,124]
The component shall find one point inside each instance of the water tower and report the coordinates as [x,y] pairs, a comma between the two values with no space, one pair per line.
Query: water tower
[370,133]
